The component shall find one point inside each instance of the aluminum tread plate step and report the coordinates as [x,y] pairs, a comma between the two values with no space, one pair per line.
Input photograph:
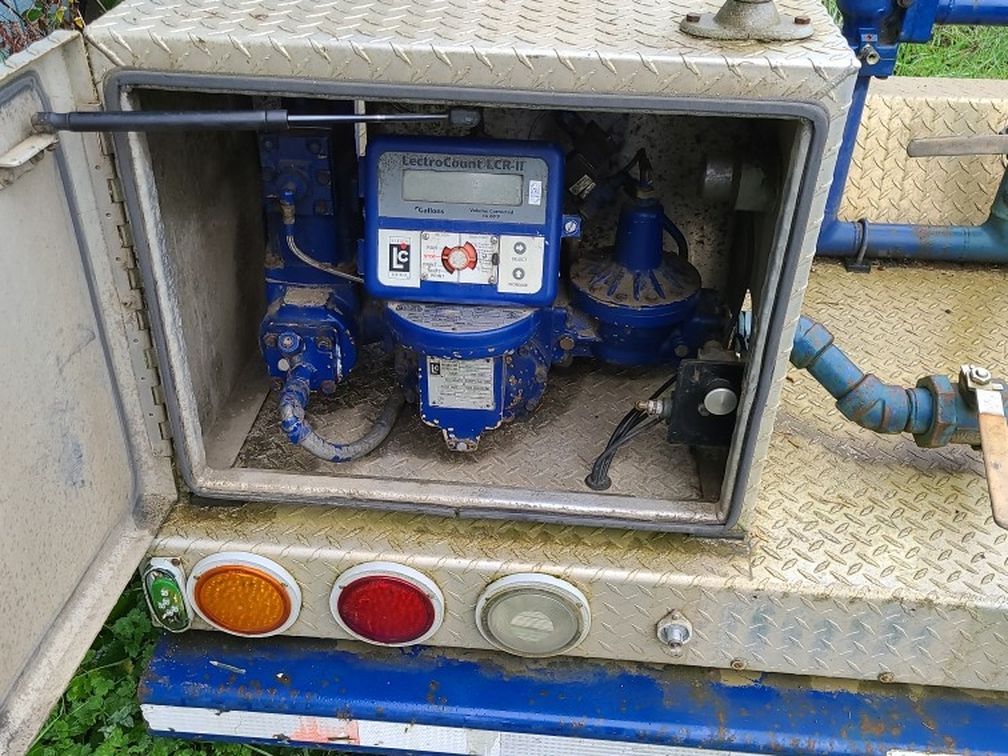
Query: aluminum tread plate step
[307,692]
[864,555]
[552,450]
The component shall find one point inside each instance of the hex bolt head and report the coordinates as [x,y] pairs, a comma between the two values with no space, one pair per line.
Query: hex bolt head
[566,343]
[674,631]
[802,20]
[693,18]
[980,375]
[325,344]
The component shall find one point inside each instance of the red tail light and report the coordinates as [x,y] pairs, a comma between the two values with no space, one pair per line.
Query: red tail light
[387,603]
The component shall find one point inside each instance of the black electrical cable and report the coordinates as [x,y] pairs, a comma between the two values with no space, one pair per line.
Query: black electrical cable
[632,425]
[598,479]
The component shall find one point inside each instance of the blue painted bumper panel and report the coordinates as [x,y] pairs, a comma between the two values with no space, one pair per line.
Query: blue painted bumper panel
[674,706]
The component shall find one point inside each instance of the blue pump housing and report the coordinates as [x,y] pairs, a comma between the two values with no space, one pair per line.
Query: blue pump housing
[312,318]
[472,367]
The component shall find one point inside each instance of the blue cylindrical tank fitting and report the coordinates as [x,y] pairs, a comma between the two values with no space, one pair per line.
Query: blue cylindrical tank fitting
[639,294]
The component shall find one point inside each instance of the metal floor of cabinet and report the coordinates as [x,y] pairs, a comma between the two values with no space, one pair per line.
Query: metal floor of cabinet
[864,557]
[552,450]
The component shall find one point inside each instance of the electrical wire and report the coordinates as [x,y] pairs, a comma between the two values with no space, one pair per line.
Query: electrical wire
[318,264]
[633,424]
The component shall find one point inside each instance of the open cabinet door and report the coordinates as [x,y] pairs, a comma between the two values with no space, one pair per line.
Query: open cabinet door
[83,486]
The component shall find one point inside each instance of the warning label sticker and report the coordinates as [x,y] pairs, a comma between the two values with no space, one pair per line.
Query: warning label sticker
[460,384]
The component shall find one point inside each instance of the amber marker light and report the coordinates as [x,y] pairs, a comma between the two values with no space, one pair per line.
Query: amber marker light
[244,594]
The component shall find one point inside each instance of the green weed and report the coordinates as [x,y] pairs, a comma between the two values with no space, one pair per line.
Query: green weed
[99,715]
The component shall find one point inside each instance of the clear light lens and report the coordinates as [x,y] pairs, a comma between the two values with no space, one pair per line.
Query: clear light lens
[533,615]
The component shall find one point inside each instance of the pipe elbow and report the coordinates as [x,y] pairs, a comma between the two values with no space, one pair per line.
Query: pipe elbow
[810,341]
[877,406]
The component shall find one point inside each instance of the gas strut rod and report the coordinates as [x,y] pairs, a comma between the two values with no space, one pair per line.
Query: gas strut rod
[231,120]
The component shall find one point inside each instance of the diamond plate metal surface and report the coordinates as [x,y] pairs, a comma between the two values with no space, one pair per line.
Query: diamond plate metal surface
[886,185]
[864,555]
[540,45]
[552,450]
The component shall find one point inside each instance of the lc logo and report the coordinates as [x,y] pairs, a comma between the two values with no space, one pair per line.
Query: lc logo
[399,257]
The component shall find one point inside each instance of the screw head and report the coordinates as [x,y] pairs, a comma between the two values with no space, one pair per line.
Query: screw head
[886,677]
[693,18]
[674,631]
[980,375]
[570,226]
[737,664]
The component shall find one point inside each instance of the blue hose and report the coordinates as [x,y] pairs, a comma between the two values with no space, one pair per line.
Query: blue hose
[294,400]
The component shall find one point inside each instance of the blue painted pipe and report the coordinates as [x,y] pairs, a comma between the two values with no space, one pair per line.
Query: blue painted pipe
[887,23]
[863,398]
[986,243]
[973,12]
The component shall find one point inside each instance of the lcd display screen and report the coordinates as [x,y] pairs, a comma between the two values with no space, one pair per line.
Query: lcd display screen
[462,187]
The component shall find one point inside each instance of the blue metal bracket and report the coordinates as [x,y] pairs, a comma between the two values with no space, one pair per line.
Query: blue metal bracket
[490,694]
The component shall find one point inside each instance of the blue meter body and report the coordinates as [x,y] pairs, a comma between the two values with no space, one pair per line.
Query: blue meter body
[452,220]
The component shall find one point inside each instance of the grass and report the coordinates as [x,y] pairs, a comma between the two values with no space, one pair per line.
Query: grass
[963,52]
[98,713]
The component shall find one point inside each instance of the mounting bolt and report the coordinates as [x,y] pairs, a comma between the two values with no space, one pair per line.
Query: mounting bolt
[270,340]
[886,677]
[566,343]
[802,20]
[737,664]
[674,631]
[325,344]
[869,55]
[693,17]
[328,387]
[681,350]
[979,375]
[571,226]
